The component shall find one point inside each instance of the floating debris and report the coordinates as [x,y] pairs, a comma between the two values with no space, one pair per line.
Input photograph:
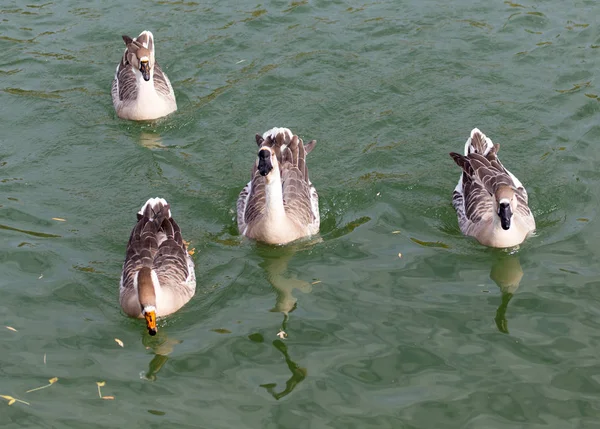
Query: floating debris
[52,381]
[12,400]
[60,219]
[10,328]
[102,384]
[282,334]
[119,342]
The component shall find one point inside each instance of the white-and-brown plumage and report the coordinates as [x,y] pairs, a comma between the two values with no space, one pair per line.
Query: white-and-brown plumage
[279,204]
[158,274]
[491,203]
[140,89]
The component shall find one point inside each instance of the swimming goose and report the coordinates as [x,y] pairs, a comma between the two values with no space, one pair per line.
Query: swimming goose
[141,90]
[491,203]
[279,204]
[158,274]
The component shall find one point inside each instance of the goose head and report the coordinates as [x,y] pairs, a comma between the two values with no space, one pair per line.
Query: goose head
[141,58]
[146,62]
[268,165]
[506,204]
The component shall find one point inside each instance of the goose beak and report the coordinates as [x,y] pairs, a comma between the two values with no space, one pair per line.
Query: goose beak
[151,322]
[264,162]
[505,214]
[145,70]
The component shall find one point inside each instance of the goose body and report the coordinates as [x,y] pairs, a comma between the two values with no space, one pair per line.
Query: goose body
[279,204]
[158,274]
[491,203]
[140,89]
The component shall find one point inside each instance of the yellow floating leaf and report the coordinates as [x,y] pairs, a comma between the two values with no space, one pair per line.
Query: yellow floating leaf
[100,383]
[316,282]
[52,381]
[119,342]
[399,255]
[108,397]
[12,400]
[10,328]
[192,251]
[395,232]
[60,219]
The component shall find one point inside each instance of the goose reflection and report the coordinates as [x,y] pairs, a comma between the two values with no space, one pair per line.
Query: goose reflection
[151,140]
[275,263]
[507,274]
[298,373]
[162,346]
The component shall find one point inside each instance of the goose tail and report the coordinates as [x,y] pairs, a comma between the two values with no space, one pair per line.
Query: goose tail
[146,39]
[156,210]
[288,147]
[478,143]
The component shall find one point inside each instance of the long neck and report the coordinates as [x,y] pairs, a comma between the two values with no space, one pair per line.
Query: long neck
[274,195]
[146,290]
[140,79]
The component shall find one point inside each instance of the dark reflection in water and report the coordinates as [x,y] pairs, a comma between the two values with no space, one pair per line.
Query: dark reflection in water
[162,346]
[507,274]
[275,263]
[298,373]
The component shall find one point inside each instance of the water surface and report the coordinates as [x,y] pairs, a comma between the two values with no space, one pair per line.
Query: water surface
[448,335]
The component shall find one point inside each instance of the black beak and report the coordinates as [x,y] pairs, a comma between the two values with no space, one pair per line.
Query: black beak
[145,69]
[152,331]
[505,214]
[264,162]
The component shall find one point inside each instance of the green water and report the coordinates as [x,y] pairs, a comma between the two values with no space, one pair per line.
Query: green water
[449,335]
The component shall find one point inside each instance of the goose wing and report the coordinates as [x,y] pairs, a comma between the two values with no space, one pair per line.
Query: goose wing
[251,201]
[141,249]
[124,85]
[480,180]
[171,261]
[298,192]
[162,84]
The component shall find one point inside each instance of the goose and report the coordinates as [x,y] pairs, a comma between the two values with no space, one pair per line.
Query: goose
[158,273]
[279,204]
[140,89]
[491,203]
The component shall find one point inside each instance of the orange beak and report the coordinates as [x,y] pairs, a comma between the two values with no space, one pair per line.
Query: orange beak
[151,322]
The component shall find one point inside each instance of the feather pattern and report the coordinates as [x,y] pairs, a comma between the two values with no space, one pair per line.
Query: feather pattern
[156,243]
[137,95]
[476,197]
[281,206]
